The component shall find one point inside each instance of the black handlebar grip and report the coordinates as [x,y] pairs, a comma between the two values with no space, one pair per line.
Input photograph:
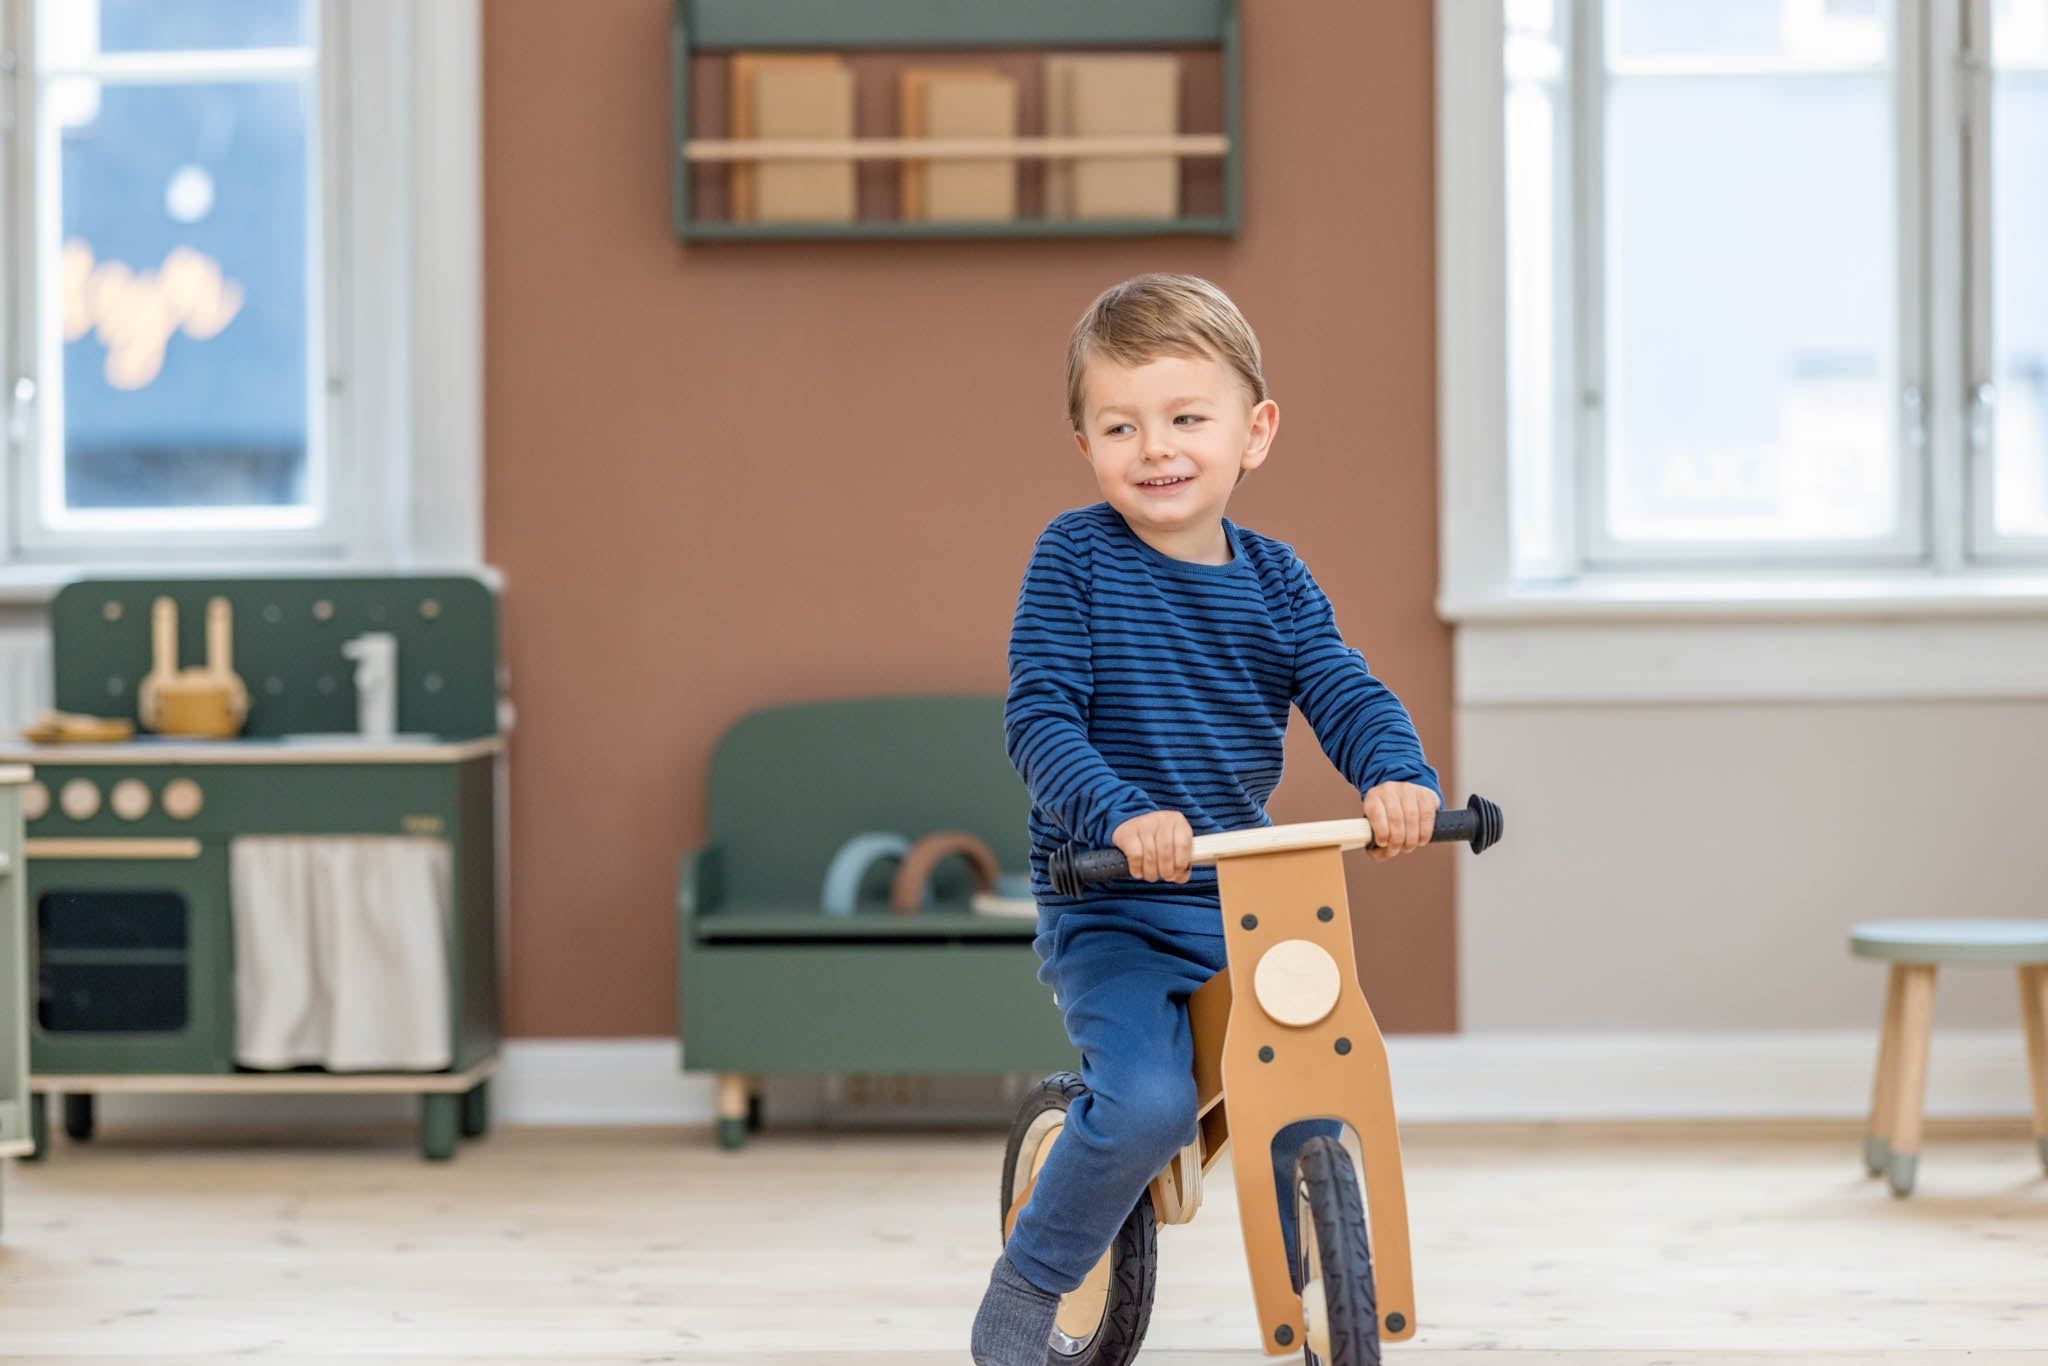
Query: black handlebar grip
[1476,824]
[1071,870]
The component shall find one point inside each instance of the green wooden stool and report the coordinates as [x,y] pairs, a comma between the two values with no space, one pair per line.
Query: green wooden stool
[1914,948]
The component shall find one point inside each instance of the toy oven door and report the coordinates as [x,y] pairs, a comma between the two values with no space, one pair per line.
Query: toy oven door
[130,945]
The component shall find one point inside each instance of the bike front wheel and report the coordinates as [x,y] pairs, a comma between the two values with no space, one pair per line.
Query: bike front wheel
[1339,1307]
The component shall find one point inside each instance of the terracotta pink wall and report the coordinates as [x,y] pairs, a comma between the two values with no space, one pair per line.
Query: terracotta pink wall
[726,476]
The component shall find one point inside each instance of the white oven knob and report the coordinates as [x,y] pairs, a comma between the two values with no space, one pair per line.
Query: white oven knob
[35,802]
[130,799]
[79,799]
[182,799]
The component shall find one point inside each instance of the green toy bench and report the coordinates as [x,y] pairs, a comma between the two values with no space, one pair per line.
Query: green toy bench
[772,984]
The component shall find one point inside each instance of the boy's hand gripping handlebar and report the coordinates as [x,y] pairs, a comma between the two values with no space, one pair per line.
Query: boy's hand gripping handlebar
[1477,824]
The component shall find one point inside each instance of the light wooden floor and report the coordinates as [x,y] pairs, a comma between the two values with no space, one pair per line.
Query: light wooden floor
[1619,1247]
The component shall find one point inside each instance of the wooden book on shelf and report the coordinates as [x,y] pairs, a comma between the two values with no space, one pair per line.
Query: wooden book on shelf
[1059,123]
[798,95]
[953,102]
[1094,96]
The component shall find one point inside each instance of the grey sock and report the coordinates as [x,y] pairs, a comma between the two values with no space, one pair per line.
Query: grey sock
[1015,1320]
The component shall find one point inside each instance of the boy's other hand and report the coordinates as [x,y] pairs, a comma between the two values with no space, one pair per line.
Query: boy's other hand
[1402,816]
[1157,846]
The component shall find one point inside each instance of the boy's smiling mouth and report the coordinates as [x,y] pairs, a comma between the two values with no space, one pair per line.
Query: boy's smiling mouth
[1168,482]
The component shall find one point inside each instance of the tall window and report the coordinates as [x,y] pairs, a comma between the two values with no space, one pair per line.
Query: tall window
[1737,312]
[171,308]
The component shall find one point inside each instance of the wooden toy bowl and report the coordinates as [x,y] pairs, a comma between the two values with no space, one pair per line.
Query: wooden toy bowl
[1282,1034]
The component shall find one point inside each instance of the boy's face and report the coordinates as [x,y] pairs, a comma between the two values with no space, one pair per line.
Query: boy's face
[1167,439]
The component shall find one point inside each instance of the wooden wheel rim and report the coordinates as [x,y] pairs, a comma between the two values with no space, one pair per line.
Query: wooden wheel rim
[1315,1309]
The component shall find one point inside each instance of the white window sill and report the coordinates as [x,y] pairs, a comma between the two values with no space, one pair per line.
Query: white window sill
[1653,598]
[35,584]
[1835,638]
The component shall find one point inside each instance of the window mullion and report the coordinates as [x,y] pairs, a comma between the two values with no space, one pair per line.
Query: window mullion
[1928,507]
[1568,381]
[1951,146]
[1587,464]
[1977,366]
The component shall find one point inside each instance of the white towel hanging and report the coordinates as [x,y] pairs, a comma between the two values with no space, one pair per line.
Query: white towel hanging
[341,952]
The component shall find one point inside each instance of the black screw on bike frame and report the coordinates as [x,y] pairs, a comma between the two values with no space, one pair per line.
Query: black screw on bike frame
[1250,922]
[1283,1335]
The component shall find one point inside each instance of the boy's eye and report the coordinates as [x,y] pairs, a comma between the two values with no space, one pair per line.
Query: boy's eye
[1119,427]
[1189,417]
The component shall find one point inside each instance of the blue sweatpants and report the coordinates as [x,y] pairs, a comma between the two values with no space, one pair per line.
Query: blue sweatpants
[1123,986]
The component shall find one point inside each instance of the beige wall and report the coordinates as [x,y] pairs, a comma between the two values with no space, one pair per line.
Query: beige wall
[724,477]
[1696,867]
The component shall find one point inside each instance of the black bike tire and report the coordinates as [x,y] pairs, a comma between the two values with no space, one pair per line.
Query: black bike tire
[1323,1171]
[1134,1252]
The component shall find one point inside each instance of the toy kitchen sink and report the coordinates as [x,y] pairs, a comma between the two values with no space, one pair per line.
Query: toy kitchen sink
[295,908]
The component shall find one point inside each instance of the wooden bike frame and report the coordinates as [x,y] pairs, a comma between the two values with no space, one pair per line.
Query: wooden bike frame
[1285,1033]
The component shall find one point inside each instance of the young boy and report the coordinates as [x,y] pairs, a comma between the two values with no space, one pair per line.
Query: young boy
[1156,649]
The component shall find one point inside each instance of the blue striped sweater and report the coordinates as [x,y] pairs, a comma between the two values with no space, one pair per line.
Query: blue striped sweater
[1139,682]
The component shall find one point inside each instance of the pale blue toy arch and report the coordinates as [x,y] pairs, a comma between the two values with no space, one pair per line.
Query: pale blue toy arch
[856,859]
[849,867]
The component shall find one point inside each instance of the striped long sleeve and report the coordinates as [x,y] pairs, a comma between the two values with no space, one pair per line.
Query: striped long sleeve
[1046,717]
[1356,718]
[1139,682]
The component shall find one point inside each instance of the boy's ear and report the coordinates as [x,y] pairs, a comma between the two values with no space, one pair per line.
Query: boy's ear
[1265,425]
[1081,440]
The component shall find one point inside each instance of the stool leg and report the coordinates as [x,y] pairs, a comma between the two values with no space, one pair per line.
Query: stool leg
[1877,1140]
[2034,1013]
[1916,1022]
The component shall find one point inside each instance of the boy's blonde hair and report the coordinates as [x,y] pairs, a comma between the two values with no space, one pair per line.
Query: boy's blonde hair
[1149,316]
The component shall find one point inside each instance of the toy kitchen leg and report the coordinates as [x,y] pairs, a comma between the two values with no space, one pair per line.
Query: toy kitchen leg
[78,1116]
[440,1124]
[1303,1044]
[476,1110]
[38,1128]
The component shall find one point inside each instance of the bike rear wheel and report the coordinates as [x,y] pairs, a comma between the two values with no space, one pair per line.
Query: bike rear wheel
[1102,1322]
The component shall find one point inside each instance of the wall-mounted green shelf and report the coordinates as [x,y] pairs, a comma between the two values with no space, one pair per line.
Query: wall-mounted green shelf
[723,27]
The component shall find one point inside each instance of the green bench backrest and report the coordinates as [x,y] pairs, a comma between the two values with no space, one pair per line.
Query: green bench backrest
[789,785]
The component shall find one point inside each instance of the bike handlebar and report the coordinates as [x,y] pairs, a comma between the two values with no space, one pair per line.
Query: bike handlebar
[1477,823]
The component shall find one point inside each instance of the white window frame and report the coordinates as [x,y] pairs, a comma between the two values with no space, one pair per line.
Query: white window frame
[400,234]
[1954,567]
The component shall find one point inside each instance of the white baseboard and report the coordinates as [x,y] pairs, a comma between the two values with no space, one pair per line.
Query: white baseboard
[1449,1078]
[1794,1074]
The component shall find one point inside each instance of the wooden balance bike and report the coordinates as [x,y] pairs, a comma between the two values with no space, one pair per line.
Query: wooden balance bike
[1283,1034]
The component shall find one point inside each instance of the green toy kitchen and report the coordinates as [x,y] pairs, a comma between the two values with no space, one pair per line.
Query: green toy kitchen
[275,871]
